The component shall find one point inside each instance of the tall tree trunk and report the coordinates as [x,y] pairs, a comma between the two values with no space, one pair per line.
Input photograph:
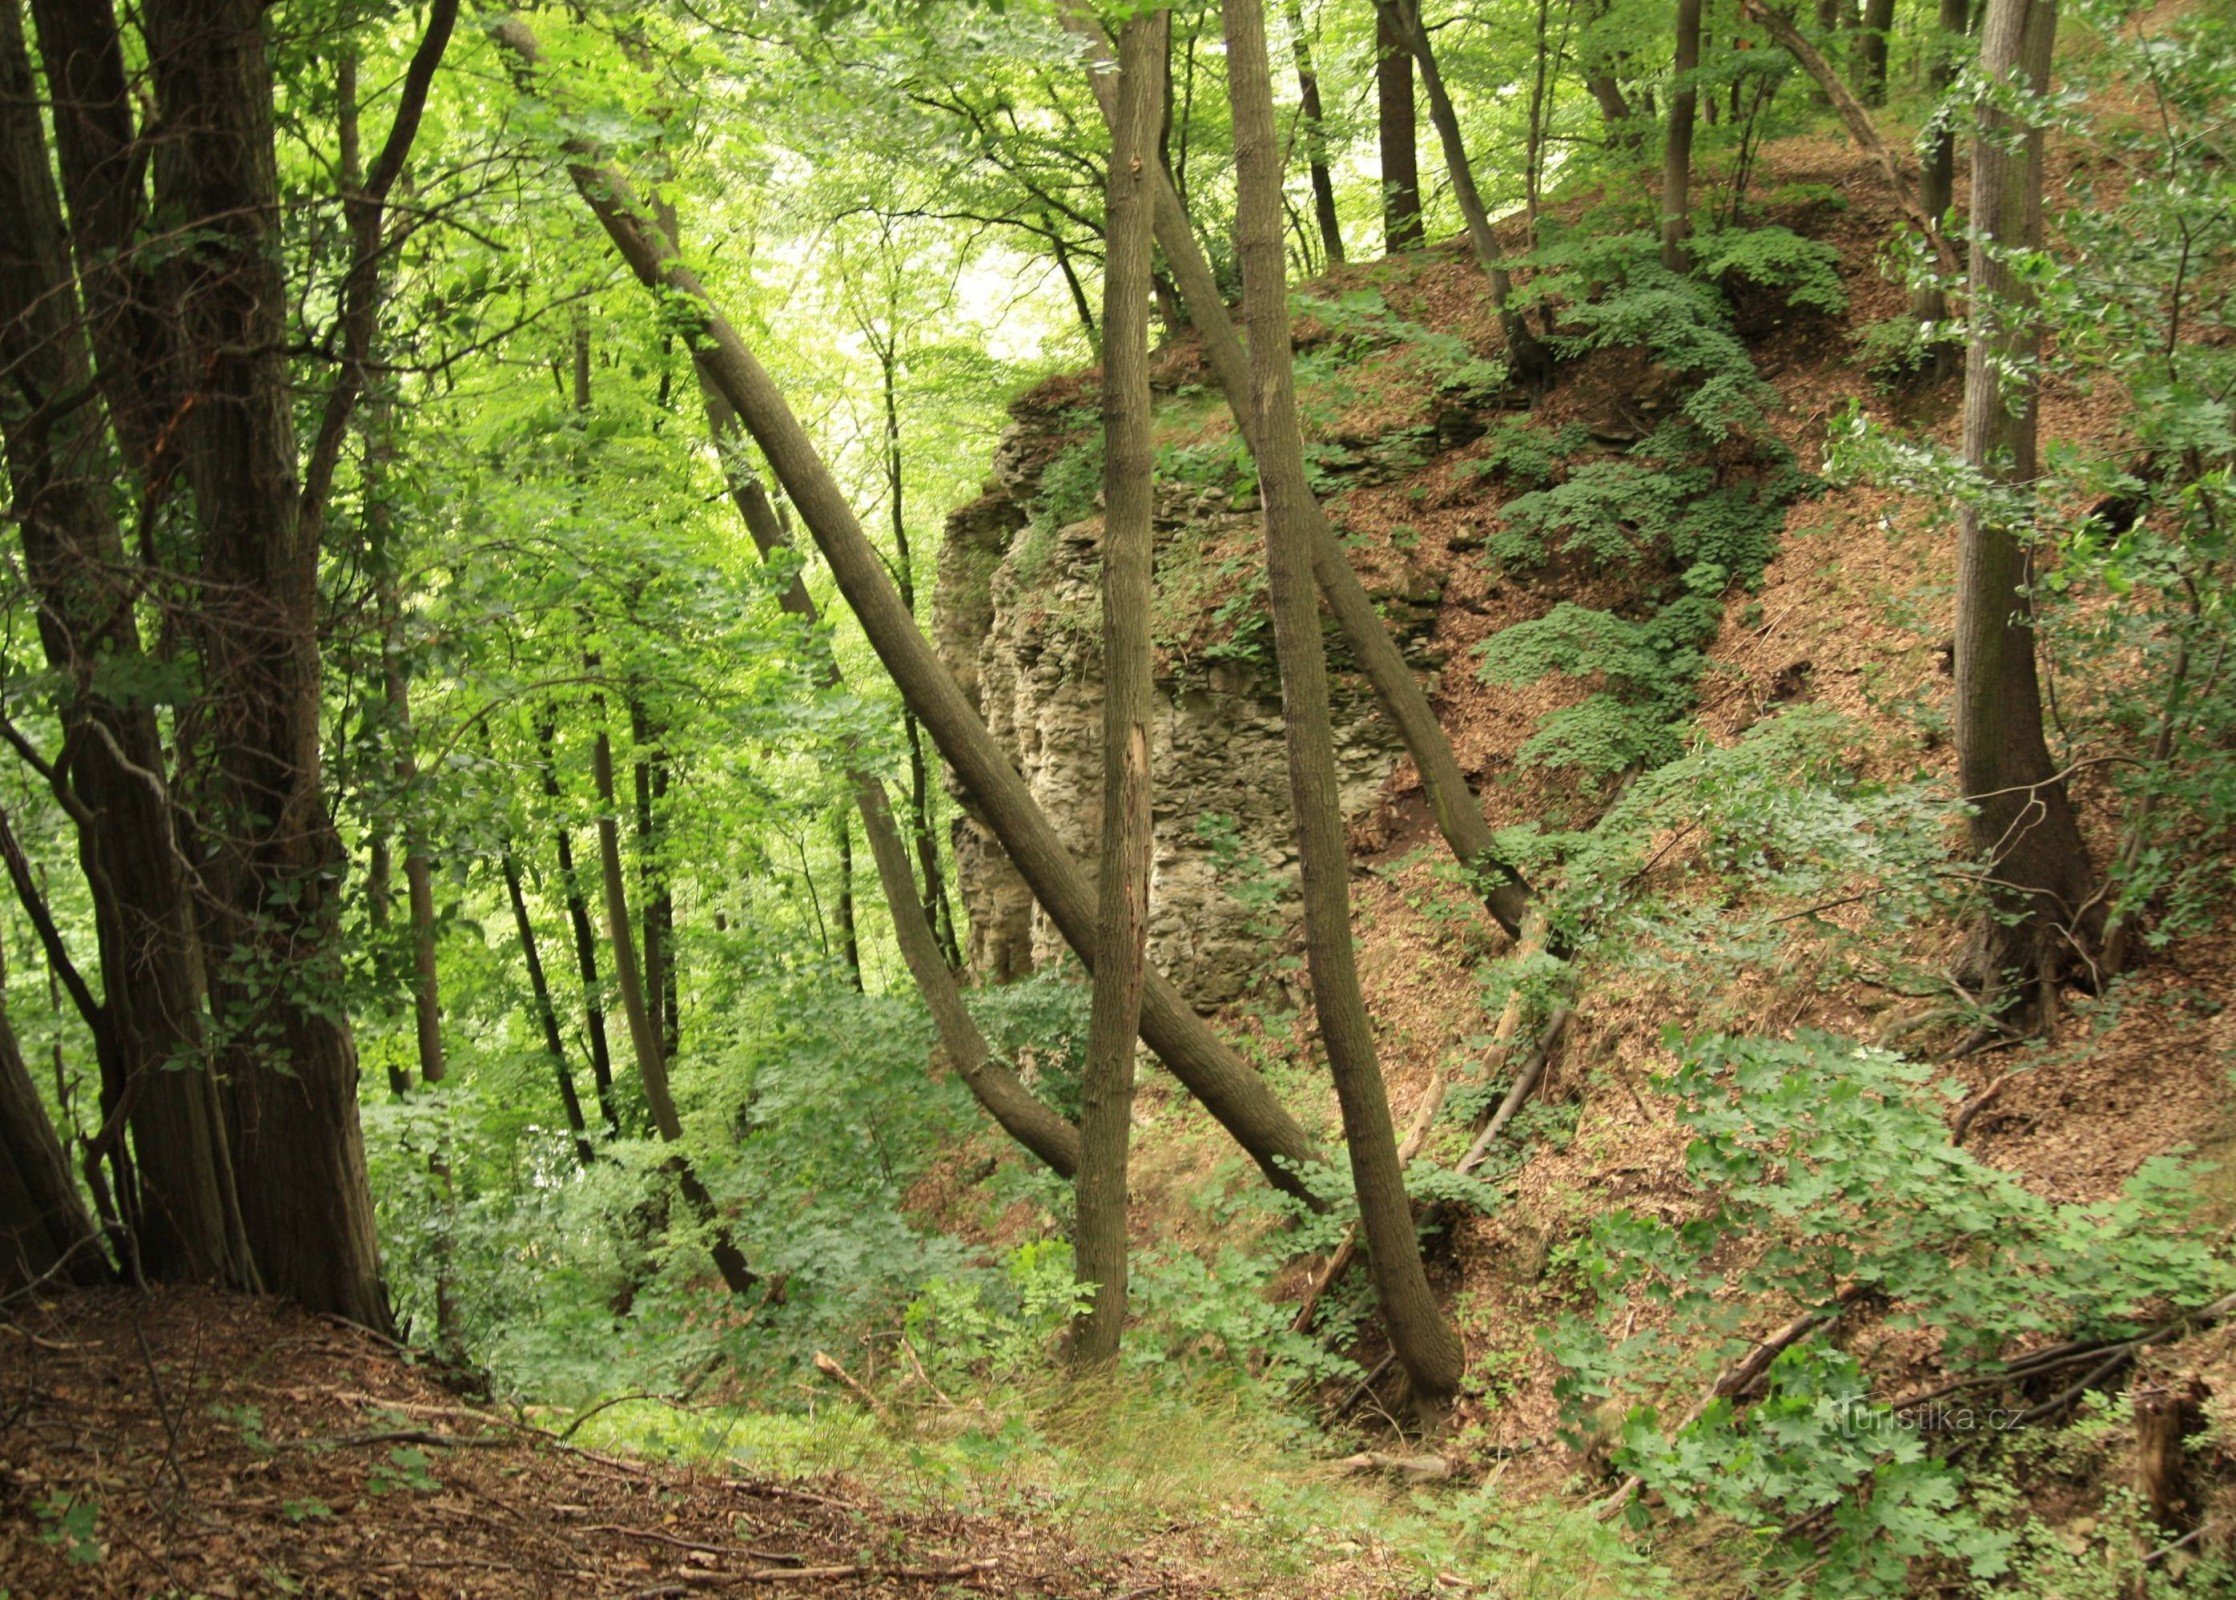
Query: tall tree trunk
[547,1016]
[1106,1088]
[45,1234]
[1212,1070]
[1871,51]
[290,1062]
[2023,825]
[1458,816]
[1677,157]
[1397,132]
[1426,1345]
[1314,123]
[850,933]
[991,1082]
[578,922]
[177,1193]
[1531,360]
[1929,302]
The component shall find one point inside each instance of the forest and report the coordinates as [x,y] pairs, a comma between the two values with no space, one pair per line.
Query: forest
[1356,798]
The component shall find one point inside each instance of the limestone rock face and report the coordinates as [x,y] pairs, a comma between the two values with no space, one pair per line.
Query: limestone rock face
[1017,618]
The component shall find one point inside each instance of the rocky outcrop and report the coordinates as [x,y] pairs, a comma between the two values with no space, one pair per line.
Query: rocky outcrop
[1017,620]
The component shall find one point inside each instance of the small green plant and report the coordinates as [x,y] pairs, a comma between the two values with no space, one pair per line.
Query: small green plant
[71,1523]
[305,1510]
[407,1469]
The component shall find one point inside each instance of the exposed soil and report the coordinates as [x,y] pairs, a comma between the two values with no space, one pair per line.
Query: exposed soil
[235,1448]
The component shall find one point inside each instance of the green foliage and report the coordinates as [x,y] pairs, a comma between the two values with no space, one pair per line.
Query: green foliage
[1823,1173]
[71,1523]
[998,1328]
[1804,272]
[407,1470]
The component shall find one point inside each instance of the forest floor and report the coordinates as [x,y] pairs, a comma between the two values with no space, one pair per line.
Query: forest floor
[190,1443]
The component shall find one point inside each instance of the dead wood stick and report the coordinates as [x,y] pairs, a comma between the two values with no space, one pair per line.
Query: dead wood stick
[1734,1380]
[829,1367]
[673,1542]
[1525,1085]
[731,1580]
[1973,1107]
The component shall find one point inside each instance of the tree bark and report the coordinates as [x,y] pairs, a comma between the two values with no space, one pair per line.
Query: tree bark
[991,1082]
[649,775]
[1871,51]
[1677,157]
[290,1062]
[1397,132]
[1314,125]
[46,1235]
[1458,816]
[1425,1343]
[1106,1091]
[2023,824]
[1212,1071]
[176,1193]
[1929,302]
[850,934]
[1531,360]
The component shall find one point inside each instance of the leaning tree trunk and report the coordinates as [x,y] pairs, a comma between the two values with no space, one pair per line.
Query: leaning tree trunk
[1531,360]
[179,1199]
[2023,826]
[46,1237]
[1425,1343]
[1212,1071]
[1397,132]
[1106,1089]
[290,1062]
[1677,157]
[997,1089]
[1458,816]
[547,1015]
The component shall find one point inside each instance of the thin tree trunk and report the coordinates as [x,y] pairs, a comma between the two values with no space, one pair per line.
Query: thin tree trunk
[1677,158]
[850,936]
[177,1195]
[1212,1071]
[650,777]
[1397,132]
[991,1082]
[1315,138]
[936,911]
[1425,1343]
[578,922]
[2023,824]
[1531,360]
[547,1016]
[652,1066]
[1458,816]
[1106,1089]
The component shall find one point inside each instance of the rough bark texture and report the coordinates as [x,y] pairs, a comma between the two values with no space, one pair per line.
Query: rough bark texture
[1426,1345]
[1212,1071]
[1677,155]
[2023,824]
[1458,815]
[1525,352]
[289,1063]
[176,1191]
[1106,1092]
[991,1082]
[1397,135]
